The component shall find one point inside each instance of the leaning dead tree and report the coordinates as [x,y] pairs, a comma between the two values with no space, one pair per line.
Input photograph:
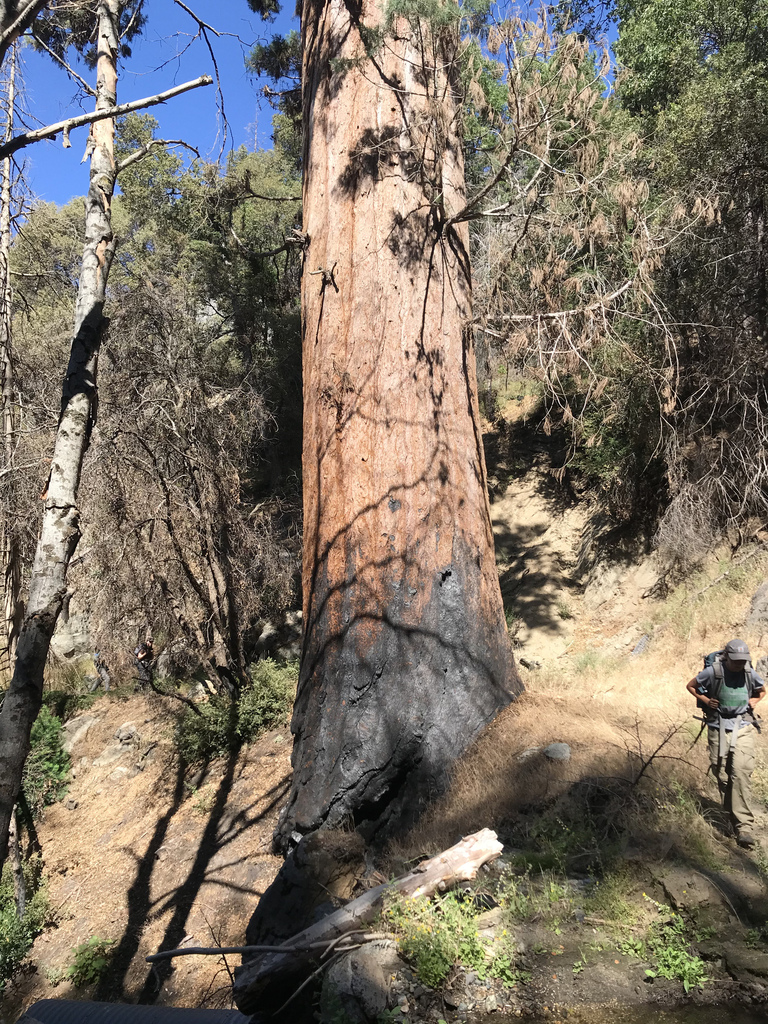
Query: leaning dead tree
[406,655]
[60,531]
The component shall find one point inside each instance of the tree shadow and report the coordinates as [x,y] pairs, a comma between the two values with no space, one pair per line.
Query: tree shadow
[220,830]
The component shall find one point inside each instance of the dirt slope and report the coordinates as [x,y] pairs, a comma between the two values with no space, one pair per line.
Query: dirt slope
[150,859]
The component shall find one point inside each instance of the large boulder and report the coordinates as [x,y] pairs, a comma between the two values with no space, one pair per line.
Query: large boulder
[76,729]
[357,987]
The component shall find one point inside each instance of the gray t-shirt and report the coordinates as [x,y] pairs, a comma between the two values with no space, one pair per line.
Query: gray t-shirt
[729,702]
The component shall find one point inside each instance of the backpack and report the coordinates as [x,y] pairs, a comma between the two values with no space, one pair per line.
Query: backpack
[715,659]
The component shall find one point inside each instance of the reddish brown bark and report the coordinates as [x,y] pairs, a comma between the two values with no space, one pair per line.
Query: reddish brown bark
[406,652]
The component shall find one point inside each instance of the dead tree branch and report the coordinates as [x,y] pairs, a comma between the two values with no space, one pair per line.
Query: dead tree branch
[67,67]
[275,970]
[143,150]
[66,126]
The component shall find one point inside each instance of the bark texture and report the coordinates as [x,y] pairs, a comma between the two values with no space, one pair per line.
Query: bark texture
[10,562]
[60,529]
[406,653]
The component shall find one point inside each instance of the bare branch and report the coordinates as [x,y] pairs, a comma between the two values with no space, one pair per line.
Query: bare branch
[143,150]
[601,303]
[202,24]
[70,70]
[51,130]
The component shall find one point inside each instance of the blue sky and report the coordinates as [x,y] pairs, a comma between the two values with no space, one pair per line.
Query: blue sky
[56,174]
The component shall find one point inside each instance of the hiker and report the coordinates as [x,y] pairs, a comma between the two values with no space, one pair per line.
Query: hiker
[102,673]
[144,655]
[728,689]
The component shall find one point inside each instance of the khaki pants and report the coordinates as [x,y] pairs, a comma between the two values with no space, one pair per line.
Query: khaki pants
[734,775]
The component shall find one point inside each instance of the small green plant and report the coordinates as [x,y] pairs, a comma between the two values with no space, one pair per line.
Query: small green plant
[90,962]
[434,935]
[564,609]
[512,894]
[46,770]
[757,938]
[580,964]
[671,956]
[17,935]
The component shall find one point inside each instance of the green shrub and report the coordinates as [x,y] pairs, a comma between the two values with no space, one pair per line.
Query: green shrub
[672,956]
[224,725]
[210,734]
[267,702]
[91,960]
[46,771]
[436,934]
[17,936]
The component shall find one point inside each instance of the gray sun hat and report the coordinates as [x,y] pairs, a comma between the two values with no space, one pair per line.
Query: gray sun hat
[737,650]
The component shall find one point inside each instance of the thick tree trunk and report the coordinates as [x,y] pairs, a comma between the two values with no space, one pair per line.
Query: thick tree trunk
[406,653]
[60,530]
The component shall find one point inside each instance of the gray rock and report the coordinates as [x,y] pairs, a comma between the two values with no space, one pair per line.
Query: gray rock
[110,754]
[558,752]
[71,804]
[75,730]
[128,735]
[491,1004]
[529,663]
[358,985]
[120,774]
[526,754]
[282,640]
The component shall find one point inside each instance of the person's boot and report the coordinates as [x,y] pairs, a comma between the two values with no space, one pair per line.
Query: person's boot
[745,838]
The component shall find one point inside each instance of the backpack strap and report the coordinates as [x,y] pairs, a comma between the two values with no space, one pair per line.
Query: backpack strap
[717,668]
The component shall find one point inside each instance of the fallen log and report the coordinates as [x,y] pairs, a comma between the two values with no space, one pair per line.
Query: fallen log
[261,983]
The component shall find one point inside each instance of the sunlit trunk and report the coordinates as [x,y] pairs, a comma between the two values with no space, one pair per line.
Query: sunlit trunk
[60,530]
[406,653]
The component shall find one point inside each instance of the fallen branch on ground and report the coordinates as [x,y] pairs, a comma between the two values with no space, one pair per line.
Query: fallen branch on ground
[275,969]
[360,938]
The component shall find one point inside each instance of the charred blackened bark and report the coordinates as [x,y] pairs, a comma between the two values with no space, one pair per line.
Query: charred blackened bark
[60,530]
[406,653]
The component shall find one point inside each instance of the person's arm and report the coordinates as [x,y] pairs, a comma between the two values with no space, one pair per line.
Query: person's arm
[693,688]
[758,692]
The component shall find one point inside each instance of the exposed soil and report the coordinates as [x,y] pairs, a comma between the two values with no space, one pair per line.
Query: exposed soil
[151,859]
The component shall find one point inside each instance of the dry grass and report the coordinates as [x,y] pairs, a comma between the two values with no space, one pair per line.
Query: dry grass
[613,711]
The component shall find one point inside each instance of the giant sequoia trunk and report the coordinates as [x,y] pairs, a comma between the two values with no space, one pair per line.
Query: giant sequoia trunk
[60,530]
[406,655]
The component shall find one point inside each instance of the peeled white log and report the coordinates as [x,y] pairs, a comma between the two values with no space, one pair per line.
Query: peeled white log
[459,864]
